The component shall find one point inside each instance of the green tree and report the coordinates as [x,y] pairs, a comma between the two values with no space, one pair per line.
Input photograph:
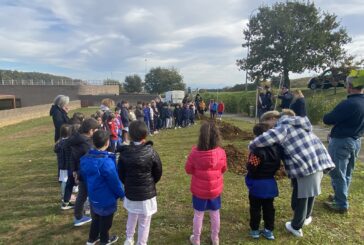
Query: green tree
[133,84]
[292,37]
[160,80]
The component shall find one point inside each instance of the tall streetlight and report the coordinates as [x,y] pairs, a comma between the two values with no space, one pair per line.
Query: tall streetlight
[248,51]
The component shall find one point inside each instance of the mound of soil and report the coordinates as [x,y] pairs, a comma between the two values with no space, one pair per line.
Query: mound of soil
[229,131]
[236,159]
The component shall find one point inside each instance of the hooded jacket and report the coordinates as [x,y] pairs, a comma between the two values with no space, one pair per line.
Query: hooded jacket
[303,152]
[139,168]
[98,170]
[206,168]
[59,117]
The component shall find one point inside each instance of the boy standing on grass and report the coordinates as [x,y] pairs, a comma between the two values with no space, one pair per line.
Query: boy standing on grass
[104,188]
[262,164]
[220,109]
[80,143]
[139,169]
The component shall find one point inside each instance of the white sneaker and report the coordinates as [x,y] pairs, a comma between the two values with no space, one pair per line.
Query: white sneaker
[129,242]
[192,240]
[308,221]
[297,233]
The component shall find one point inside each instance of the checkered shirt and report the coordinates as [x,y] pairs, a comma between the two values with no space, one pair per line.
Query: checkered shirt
[304,153]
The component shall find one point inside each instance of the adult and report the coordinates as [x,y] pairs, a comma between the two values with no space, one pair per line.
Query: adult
[298,104]
[59,112]
[305,160]
[285,97]
[268,98]
[261,99]
[344,145]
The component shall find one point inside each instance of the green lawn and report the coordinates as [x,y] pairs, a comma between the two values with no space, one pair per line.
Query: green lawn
[30,208]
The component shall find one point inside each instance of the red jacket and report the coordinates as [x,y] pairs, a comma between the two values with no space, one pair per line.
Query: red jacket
[221,107]
[206,168]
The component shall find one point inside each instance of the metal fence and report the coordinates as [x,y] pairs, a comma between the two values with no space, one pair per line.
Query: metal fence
[51,82]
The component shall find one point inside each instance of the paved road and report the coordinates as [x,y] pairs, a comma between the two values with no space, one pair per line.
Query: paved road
[320,131]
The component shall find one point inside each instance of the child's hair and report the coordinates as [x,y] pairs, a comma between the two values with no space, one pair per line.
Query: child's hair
[260,128]
[100,138]
[87,125]
[138,131]
[288,112]
[269,115]
[74,121]
[117,109]
[75,128]
[108,102]
[209,137]
[79,116]
[66,130]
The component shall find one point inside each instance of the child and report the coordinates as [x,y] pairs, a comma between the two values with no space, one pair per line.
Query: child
[262,164]
[169,116]
[104,188]
[147,116]
[177,114]
[185,116]
[192,114]
[80,143]
[113,127]
[139,169]
[125,120]
[220,109]
[213,109]
[61,152]
[206,163]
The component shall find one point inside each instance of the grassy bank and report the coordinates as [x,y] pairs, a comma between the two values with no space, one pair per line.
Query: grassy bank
[30,211]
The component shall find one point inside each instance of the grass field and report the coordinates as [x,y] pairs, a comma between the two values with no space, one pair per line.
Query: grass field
[30,204]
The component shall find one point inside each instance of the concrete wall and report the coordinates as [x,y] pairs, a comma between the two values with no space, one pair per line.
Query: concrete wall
[9,117]
[31,95]
[94,100]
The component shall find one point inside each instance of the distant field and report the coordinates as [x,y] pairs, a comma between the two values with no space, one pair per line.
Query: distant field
[30,202]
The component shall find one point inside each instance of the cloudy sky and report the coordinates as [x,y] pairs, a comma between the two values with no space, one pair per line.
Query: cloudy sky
[112,38]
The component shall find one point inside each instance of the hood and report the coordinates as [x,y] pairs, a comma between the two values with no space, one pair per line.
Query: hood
[206,159]
[53,109]
[95,156]
[297,122]
[104,108]
[77,139]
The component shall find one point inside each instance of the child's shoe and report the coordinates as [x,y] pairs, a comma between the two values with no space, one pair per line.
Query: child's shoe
[112,239]
[92,242]
[254,234]
[192,240]
[268,234]
[67,205]
[215,242]
[129,242]
[308,221]
[297,233]
[82,221]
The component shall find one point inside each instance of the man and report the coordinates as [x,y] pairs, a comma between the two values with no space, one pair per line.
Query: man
[348,121]
[286,97]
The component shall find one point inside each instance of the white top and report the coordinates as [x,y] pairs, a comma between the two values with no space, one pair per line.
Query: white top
[147,207]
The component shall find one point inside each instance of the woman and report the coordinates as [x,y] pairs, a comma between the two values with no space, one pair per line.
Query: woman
[59,112]
[298,105]
[305,161]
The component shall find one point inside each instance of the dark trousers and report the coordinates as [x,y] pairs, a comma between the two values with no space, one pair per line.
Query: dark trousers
[80,200]
[100,226]
[256,207]
[302,207]
[69,187]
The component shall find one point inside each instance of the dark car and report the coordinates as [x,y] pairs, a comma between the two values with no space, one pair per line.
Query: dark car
[334,77]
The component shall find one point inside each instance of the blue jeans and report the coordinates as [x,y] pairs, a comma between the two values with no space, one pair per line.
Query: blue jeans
[344,153]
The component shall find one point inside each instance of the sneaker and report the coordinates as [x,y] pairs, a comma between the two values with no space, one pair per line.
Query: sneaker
[215,242]
[297,233]
[67,205]
[90,242]
[332,206]
[82,221]
[112,239]
[308,221]
[268,234]
[129,242]
[254,234]
[192,240]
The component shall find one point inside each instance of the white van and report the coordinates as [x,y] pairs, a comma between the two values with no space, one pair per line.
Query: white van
[174,96]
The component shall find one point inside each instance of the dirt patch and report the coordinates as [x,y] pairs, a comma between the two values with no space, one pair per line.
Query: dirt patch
[231,132]
[236,159]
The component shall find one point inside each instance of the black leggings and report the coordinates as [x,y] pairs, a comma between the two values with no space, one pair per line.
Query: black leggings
[100,225]
[256,207]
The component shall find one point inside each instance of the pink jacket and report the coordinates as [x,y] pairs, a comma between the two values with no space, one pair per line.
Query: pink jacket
[206,168]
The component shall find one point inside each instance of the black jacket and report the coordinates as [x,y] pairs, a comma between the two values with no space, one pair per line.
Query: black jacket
[139,168]
[286,98]
[299,107]
[139,114]
[80,145]
[59,117]
[270,161]
[124,117]
[177,114]
[347,118]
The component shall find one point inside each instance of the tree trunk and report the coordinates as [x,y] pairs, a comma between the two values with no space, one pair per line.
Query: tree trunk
[286,78]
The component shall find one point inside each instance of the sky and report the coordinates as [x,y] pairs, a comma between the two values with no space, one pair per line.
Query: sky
[95,40]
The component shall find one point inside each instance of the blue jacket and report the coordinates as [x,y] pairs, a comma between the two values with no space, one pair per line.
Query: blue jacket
[347,118]
[299,107]
[185,113]
[98,168]
[146,114]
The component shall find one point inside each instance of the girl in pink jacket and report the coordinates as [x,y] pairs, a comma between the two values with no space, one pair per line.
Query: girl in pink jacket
[206,163]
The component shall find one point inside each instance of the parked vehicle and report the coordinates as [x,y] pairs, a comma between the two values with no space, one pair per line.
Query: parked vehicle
[174,96]
[334,77]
